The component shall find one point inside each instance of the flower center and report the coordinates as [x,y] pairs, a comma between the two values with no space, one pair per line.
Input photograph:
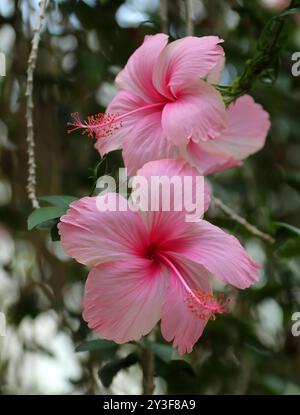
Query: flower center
[104,124]
[151,252]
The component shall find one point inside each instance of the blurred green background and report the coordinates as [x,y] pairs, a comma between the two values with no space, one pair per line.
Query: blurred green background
[84,45]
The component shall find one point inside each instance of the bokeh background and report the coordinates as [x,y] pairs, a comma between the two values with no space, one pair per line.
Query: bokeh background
[84,44]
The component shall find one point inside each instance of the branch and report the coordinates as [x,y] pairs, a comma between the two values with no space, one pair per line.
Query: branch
[163,13]
[234,216]
[265,63]
[189,17]
[31,180]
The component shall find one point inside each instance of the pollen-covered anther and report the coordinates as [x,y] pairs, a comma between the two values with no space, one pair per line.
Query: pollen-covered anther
[204,305]
[97,126]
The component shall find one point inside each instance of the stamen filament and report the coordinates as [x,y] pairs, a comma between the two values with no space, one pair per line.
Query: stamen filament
[120,117]
[100,125]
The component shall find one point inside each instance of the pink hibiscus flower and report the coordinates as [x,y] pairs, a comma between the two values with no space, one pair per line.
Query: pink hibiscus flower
[166,107]
[151,266]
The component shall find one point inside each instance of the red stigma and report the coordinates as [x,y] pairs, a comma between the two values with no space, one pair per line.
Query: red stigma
[97,126]
[204,305]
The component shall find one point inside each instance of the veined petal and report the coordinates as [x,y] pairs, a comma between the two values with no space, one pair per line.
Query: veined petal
[199,113]
[245,135]
[137,74]
[248,125]
[207,162]
[214,75]
[146,142]
[221,254]
[123,299]
[92,236]
[184,61]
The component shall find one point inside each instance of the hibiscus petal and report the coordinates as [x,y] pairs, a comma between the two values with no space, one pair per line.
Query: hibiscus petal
[178,323]
[199,113]
[184,61]
[248,126]
[137,74]
[206,162]
[214,76]
[92,236]
[146,142]
[221,254]
[123,299]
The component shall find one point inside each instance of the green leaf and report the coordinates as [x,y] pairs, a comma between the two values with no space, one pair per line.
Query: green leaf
[289,12]
[273,29]
[180,376]
[96,345]
[163,351]
[44,214]
[290,248]
[47,217]
[48,225]
[293,179]
[289,227]
[61,201]
[110,369]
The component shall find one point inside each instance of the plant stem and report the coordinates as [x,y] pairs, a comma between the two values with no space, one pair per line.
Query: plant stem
[163,12]
[147,363]
[189,18]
